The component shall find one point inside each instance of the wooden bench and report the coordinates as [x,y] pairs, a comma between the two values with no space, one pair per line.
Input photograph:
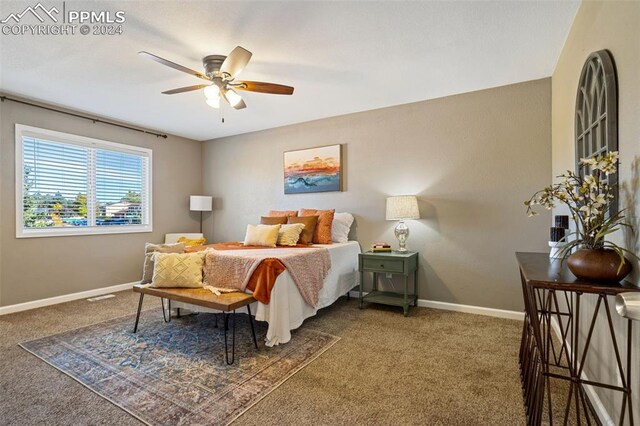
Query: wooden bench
[226,302]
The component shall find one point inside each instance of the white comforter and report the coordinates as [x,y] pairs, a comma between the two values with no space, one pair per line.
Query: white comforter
[287,309]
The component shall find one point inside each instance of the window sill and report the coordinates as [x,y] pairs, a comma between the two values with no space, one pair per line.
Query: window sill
[90,230]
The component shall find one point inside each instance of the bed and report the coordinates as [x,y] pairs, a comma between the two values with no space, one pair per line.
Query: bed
[287,309]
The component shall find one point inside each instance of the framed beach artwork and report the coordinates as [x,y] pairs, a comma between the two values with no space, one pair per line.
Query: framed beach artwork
[313,170]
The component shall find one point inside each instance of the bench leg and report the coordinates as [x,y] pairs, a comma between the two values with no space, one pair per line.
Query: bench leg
[253,330]
[177,312]
[135,326]
[164,313]
[349,295]
[233,342]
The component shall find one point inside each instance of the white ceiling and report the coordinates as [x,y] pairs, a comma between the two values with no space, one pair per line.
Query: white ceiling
[341,57]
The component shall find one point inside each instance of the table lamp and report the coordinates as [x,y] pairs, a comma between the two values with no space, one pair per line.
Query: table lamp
[401,208]
[201,203]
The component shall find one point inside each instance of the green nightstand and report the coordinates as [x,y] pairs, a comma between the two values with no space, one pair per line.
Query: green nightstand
[403,264]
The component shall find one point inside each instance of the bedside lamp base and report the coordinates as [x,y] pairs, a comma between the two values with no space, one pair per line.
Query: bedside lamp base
[402,234]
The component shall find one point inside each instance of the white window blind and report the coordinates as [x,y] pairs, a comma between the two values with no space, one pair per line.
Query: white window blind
[68,184]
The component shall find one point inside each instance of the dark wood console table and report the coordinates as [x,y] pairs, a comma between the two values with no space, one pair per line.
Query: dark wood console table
[552,294]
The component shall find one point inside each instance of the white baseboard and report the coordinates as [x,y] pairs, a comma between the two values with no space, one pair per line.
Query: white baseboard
[598,406]
[469,309]
[4,310]
[478,310]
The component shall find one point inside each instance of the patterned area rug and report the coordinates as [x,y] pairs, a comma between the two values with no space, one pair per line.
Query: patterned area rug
[175,373]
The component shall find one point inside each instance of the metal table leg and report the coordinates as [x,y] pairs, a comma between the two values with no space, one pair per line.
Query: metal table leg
[135,326]
[253,330]
[233,342]
[164,313]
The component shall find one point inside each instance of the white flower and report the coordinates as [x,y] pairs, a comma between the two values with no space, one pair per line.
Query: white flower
[607,163]
[589,161]
[598,200]
[608,168]
[591,181]
[590,210]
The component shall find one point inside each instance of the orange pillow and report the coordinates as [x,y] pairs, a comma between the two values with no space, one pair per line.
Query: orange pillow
[273,220]
[309,222]
[322,233]
[283,213]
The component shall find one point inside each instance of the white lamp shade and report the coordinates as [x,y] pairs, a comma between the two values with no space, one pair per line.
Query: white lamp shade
[402,207]
[201,203]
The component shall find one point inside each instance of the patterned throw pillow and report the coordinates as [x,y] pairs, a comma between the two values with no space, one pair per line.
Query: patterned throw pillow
[288,235]
[285,213]
[192,243]
[149,250]
[322,233]
[261,235]
[178,270]
[310,223]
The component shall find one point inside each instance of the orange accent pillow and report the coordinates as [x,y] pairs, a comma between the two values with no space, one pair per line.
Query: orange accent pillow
[322,233]
[273,220]
[310,223]
[281,213]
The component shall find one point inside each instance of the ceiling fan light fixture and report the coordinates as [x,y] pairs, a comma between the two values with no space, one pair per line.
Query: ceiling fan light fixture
[214,102]
[233,98]
[212,91]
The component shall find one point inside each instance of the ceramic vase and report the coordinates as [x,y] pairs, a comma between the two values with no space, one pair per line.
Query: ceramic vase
[598,265]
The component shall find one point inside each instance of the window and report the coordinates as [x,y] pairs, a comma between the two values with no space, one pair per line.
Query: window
[73,185]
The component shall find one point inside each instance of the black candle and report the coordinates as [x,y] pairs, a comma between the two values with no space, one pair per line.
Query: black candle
[562,221]
[557,233]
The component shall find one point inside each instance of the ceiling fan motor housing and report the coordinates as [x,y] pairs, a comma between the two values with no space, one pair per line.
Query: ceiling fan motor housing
[212,64]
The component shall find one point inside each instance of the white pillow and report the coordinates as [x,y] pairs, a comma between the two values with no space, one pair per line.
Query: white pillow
[290,234]
[341,226]
[261,235]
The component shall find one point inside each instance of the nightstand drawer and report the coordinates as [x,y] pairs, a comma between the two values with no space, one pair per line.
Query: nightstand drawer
[385,265]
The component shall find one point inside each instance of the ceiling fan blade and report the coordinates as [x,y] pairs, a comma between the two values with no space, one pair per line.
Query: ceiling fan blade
[185,89]
[258,86]
[173,65]
[236,61]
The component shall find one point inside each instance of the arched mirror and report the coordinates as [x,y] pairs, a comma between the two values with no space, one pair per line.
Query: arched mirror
[596,121]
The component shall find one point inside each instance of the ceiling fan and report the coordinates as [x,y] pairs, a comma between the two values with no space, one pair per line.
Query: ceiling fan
[220,73]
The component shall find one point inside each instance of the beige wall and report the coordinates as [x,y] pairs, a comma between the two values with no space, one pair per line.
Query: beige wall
[614,26]
[37,268]
[472,159]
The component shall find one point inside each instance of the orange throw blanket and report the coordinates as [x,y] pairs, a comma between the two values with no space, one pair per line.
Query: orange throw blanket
[264,276]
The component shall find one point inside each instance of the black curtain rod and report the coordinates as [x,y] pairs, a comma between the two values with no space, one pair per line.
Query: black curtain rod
[95,120]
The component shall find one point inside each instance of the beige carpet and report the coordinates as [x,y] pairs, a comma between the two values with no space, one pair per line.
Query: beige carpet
[434,367]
